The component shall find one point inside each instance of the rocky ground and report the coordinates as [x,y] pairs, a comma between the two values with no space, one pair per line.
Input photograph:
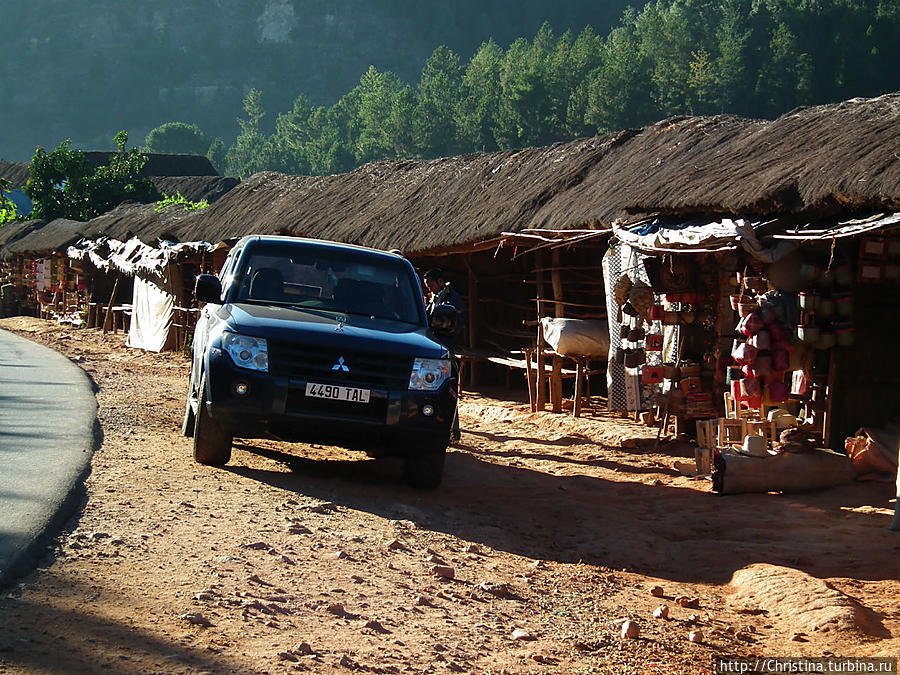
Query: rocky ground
[549,539]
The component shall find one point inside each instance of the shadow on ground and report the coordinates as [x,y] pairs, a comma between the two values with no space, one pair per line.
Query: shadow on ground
[679,533]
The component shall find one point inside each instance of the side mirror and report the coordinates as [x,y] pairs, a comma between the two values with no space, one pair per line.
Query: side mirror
[443,319]
[208,288]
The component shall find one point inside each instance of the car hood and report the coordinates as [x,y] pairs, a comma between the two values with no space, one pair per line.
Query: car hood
[327,328]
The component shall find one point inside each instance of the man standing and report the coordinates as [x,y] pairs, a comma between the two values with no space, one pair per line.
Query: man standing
[442,293]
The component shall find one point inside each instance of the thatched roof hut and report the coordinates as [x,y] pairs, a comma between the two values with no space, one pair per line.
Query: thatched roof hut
[162,164]
[819,162]
[415,206]
[11,232]
[194,188]
[829,161]
[54,236]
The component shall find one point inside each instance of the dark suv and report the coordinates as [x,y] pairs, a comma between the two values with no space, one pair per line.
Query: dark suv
[315,341]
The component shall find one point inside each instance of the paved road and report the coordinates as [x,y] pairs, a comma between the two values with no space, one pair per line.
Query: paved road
[48,413]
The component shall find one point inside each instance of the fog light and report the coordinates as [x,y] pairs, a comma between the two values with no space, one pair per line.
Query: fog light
[241,388]
[428,410]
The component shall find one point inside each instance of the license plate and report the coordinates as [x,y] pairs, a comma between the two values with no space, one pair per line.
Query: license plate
[337,393]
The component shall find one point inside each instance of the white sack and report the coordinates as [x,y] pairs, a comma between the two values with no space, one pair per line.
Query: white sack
[151,316]
[577,337]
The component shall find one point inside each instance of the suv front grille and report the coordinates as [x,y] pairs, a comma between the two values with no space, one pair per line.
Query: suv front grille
[317,363]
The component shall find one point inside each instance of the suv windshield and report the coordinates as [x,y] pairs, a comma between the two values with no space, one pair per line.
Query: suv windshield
[340,280]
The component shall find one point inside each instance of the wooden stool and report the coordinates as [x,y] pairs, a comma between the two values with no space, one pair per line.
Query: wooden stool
[731,430]
[762,428]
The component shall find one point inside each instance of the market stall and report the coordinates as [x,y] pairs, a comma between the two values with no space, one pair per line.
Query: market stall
[782,330]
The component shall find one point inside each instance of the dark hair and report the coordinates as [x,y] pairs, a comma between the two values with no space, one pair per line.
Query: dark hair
[434,274]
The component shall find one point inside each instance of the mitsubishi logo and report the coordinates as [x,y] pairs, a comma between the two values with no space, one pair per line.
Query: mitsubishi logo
[340,327]
[340,365]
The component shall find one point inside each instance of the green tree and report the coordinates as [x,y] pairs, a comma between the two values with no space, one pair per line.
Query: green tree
[402,128]
[439,93]
[476,112]
[576,63]
[246,157]
[216,155]
[667,39]
[376,92]
[733,41]
[533,109]
[618,90]
[784,76]
[334,133]
[701,83]
[64,184]
[757,58]
[287,148]
[177,138]
[8,211]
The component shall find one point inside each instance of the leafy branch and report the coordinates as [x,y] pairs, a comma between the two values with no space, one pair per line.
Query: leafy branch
[180,199]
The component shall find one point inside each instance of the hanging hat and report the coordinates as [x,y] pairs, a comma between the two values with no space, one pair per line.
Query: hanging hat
[641,297]
[620,292]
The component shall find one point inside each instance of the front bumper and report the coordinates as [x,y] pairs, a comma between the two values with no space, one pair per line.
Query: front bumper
[278,406]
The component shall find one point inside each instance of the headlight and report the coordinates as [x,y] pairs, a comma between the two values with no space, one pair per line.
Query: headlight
[246,352]
[429,374]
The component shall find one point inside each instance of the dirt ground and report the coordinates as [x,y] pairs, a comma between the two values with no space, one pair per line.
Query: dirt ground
[547,534]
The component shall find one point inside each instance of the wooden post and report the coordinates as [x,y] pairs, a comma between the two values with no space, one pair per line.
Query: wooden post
[107,321]
[559,311]
[64,283]
[829,389]
[530,374]
[473,319]
[540,399]
[579,383]
[556,280]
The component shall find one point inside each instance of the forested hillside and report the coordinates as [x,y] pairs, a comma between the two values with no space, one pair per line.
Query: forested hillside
[755,58]
[321,87]
[85,70]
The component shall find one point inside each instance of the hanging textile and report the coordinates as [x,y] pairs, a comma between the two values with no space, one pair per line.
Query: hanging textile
[151,316]
[627,389]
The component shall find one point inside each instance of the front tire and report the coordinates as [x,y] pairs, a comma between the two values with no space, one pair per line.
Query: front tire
[212,443]
[425,469]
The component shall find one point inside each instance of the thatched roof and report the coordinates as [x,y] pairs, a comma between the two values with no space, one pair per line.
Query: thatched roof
[192,174]
[414,206]
[53,236]
[833,161]
[10,232]
[122,224]
[160,164]
[824,162]
[15,172]
[139,220]
[816,162]
[124,221]
[194,188]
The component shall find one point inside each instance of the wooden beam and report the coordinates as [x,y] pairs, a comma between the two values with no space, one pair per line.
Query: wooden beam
[560,312]
[473,317]
[572,304]
[532,380]
[540,398]
[556,385]
[579,384]
[107,321]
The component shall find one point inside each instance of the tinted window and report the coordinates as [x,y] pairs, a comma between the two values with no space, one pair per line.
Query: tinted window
[338,280]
